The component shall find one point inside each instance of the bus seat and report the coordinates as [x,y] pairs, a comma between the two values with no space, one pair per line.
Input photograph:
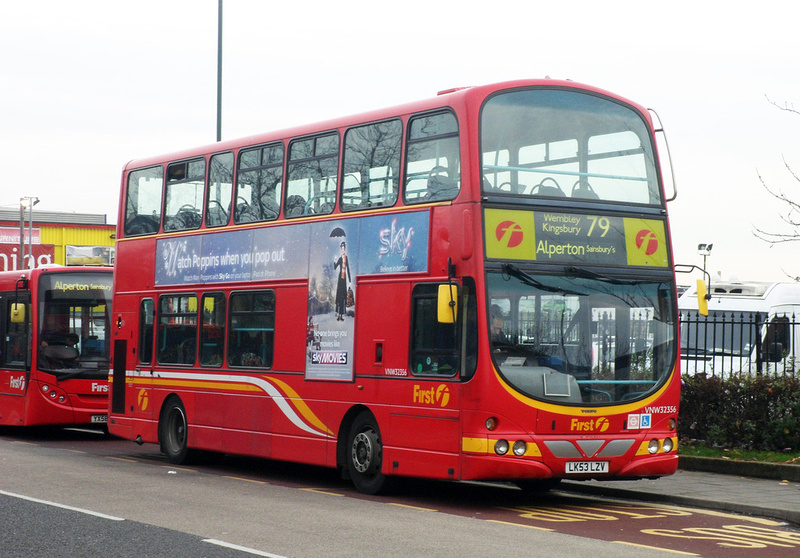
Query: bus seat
[295,206]
[441,186]
[582,189]
[186,351]
[544,189]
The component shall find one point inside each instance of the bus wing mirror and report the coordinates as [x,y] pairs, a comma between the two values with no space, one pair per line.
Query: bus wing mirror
[773,352]
[447,305]
[17,313]
[702,298]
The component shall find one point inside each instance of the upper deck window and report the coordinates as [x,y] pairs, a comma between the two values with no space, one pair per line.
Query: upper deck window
[371,165]
[220,186]
[143,201]
[433,171]
[258,187]
[183,208]
[311,185]
[567,144]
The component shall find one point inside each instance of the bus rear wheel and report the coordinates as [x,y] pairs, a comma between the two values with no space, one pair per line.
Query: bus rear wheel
[172,431]
[365,455]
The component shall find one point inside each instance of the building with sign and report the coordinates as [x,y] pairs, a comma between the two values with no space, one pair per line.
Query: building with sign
[55,238]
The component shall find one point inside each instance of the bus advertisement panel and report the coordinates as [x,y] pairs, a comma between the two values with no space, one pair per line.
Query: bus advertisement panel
[475,286]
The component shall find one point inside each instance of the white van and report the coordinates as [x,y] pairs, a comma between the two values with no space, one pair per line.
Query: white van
[751,327]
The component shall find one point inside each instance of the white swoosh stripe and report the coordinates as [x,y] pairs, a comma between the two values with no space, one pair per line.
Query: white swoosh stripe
[271,390]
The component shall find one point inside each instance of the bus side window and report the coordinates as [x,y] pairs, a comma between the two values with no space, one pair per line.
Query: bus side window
[184,195]
[212,334]
[432,159]
[251,335]
[371,165]
[146,327]
[434,346]
[258,186]
[311,184]
[143,201]
[15,340]
[469,333]
[220,187]
[177,329]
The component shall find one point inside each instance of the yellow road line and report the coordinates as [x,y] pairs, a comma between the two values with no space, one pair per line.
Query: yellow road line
[245,479]
[411,507]
[520,525]
[318,491]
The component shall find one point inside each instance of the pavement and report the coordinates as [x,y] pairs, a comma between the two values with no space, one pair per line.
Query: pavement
[762,490]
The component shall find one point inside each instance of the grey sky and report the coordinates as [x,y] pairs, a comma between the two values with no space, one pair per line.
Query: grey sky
[86,86]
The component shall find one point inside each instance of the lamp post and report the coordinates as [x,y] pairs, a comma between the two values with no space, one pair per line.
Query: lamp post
[29,202]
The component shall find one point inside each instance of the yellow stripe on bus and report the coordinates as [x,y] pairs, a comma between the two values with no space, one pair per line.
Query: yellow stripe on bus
[299,404]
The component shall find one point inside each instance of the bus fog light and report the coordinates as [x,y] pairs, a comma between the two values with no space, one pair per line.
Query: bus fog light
[501,447]
[653,446]
[45,388]
[667,445]
[491,423]
[61,398]
[52,395]
[520,448]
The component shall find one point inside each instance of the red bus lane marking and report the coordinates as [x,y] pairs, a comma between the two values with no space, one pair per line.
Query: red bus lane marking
[684,530]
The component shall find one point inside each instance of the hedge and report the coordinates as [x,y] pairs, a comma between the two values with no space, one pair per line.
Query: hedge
[750,412]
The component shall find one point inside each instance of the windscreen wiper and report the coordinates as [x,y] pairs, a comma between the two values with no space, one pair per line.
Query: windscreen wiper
[67,375]
[572,271]
[529,280]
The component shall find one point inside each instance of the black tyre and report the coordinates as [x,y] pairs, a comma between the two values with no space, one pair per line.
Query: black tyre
[173,430]
[365,455]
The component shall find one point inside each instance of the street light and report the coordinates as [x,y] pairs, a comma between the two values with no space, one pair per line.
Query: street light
[26,202]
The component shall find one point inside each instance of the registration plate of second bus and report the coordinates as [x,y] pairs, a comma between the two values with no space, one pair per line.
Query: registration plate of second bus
[584,467]
[99,418]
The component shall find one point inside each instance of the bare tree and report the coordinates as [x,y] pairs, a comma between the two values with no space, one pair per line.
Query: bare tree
[791,215]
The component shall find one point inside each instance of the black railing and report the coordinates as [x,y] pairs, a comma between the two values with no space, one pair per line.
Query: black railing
[735,343]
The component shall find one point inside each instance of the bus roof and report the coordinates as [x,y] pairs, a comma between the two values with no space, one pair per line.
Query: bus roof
[448,98]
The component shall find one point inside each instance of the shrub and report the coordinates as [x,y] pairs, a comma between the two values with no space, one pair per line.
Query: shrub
[750,412]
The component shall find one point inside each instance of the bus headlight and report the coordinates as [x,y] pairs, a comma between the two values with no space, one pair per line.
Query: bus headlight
[667,447]
[653,446]
[520,448]
[501,447]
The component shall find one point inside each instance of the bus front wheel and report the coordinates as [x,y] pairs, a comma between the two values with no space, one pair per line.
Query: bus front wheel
[172,431]
[365,455]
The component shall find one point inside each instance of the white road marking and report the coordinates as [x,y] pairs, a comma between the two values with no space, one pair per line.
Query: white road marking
[242,548]
[62,506]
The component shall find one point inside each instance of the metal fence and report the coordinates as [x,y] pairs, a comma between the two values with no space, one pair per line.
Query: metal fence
[736,343]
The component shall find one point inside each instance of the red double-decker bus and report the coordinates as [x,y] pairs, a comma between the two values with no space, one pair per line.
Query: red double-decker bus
[475,286]
[54,360]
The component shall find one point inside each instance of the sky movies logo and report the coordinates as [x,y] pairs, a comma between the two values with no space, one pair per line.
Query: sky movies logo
[329,357]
